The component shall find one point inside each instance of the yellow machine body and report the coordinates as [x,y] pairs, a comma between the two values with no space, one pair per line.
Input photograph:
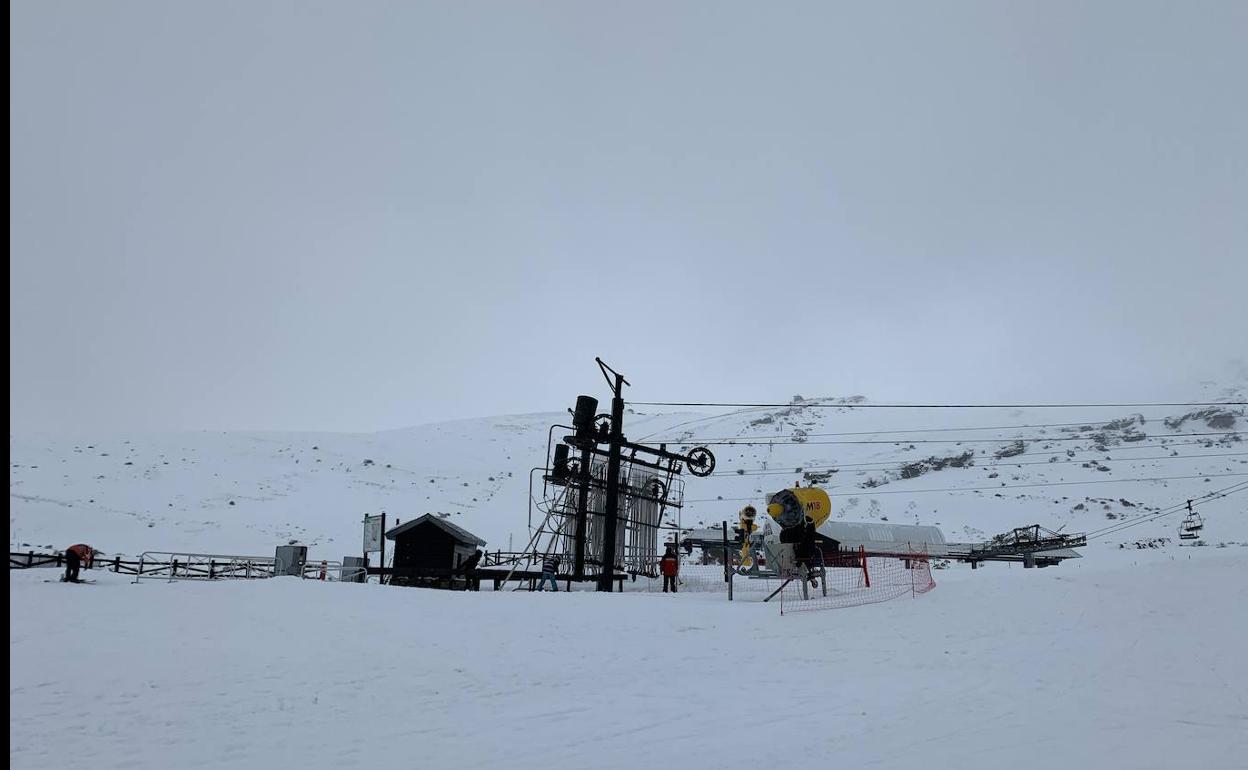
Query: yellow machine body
[747,525]
[790,507]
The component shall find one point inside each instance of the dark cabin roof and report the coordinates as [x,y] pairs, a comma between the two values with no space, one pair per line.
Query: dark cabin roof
[459,533]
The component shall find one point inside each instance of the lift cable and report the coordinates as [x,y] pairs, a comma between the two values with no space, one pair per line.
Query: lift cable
[821,405]
[1196,500]
[1169,510]
[1049,452]
[1177,508]
[705,418]
[1002,463]
[866,493]
[1027,439]
[726,415]
[1086,424]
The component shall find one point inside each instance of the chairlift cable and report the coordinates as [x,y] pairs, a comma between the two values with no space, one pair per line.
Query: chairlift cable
[819,405]
[1026,439]
[1178,507]
[1087,423]
[1000,463]
[989,489]
[1133,446]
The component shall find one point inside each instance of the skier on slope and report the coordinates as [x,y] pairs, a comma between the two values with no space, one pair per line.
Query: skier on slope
[76,555]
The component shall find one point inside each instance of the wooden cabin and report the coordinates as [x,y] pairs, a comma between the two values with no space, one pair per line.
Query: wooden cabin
[429,549]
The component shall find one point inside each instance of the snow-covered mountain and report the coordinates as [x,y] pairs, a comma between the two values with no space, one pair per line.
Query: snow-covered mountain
[1126,655]
[974,472]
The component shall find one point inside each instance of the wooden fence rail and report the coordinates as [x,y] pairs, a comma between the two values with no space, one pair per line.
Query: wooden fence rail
[175,568]
[184,568]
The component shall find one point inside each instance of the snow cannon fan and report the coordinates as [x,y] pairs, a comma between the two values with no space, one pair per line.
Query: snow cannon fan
[790,507]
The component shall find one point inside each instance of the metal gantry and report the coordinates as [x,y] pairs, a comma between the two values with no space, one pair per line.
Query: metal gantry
[1026,542]
[604,497]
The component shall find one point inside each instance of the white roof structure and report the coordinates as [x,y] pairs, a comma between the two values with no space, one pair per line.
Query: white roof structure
[871,534]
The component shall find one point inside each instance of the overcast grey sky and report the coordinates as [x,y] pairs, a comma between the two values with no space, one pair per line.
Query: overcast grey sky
[363,215]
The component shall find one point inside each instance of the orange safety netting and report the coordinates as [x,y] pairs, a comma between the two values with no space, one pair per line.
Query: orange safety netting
[850,579]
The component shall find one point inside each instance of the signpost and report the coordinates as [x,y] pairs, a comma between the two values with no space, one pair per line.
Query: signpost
[375,540]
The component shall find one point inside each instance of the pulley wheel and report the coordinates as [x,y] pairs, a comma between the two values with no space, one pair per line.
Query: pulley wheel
[700,461]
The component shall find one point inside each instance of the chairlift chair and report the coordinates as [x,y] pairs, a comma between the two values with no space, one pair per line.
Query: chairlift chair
[1192,524]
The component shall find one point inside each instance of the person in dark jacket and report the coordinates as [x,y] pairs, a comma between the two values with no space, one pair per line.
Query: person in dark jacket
[75,556]
[669,566]
[469,568]
[806,552]
[550,568]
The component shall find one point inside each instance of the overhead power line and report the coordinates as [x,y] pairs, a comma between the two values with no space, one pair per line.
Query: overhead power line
[820,405]
[990,489]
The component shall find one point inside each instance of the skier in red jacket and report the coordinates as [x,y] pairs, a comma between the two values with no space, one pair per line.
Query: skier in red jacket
[669,565]
[75,555]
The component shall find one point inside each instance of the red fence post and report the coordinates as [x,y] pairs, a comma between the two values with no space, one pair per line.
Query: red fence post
[910,566]
[862,554]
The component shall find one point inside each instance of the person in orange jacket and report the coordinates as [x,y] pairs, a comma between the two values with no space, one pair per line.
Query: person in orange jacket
[669,565]
[76,555]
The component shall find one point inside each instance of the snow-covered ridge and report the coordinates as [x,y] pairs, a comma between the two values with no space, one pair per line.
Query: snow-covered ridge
[244,492]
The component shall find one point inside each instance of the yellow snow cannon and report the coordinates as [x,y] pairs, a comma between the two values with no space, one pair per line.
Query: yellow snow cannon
[791,507]
[747,525]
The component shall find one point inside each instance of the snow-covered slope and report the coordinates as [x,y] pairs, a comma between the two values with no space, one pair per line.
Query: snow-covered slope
[243,492]
[1130,661]
[1075,469]
[1125,659]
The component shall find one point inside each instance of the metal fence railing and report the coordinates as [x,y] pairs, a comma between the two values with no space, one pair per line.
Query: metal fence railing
[171,566]
[333,571]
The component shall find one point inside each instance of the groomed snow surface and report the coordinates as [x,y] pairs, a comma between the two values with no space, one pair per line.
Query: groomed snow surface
[1126,659]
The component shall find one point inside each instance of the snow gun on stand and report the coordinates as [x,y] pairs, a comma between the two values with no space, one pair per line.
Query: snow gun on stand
[799,511]
[746,528]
